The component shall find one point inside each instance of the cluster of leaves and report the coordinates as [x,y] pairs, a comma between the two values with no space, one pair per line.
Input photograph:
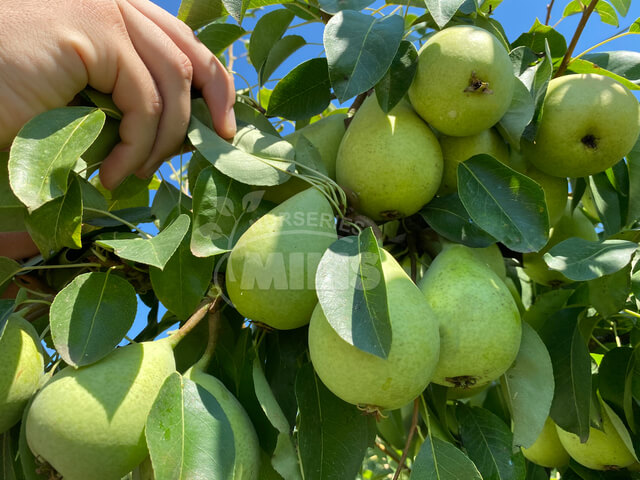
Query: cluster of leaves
[579,341]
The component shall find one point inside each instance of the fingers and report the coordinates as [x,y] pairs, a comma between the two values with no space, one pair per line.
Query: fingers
[17,245]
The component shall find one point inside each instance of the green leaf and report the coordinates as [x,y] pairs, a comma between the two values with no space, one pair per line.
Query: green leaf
[633,164]
[623,63]
[58,223]
[188,434]
[615,377]
[268,30]
[489,444]
[537,35]
[282,50]
[622,6]
[606,12]
[352,292]
[620,429]
[6,309]
[571,370]
[608,294]
[443,10]
[448,217]
[90,316]
[217,37]
[46,150]
[10,468]
[506,204]
[395,83]
[440,460]
[303,92]
[581,65]
[519,115]
[582,260]
[609,203]
[8,268]
[529,385]
[333,435]
[335,6]
[133,215]
[546,305]
[237,8]
[154,251]
[489,6]
[198,13]
[635,26]
[166,201]
[12,211]
[360,49]
[246,115]
[256,158]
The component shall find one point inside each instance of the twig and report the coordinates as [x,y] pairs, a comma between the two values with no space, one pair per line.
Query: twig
[549,7]
[412,430]
[208,305]
[389,453]
[576,36]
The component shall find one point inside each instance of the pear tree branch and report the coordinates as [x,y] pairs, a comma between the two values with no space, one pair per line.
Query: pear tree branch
[412,430]
[549,8]
[586,13]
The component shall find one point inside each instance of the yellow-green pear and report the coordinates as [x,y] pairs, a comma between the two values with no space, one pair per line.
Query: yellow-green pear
[392,163]
[245,438]
[21,368]
[456,150]
[464,82]
[270,274]
[480,324]
[603,450]
[362,378]
[88,423]
[589,122]
[492,256]
[547,450]
[571,224]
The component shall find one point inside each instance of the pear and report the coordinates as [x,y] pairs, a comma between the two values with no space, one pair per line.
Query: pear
[603,450]
[270,274]
[571,224]
[588,123]
[88,423]
[547,450]
[464,82]
[480,325]
[245,438]
[492,257]
[392,163]
[21,368]
[456,150]
[362,378]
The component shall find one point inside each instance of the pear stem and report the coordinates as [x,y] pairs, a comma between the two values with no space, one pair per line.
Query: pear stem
[586,13]
[205,307]
[604,42]
[214,330]
[412,431]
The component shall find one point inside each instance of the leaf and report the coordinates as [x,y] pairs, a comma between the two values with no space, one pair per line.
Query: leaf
[615,378]
[12,211]
[571,370]
[303,92]
[489,6]
[536,37]
[133,215]
[603,9]
[608,202]
[333,435]
[10,468]
[582,65]
[8,268]
[360,49]
[335,6]
[168,199]
[353,295]
[6,309]
[519,115]
[633,164]
[545,305]
[608,294]
[623,63]
[217,37]
[582,260]
[254,168]
[622,6]
[154,251]
[448,217]
[282,50]
[488,442]
[395,83]
[529,385]
[90,316]
[443,10]
[198,13]
[635,26]
[58,223]
[440,460]
[620,429]
[506,204]
[268,30]
[237,8]
[46,149]
[188,434]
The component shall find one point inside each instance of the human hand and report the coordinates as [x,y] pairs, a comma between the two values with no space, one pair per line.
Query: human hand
[146,58]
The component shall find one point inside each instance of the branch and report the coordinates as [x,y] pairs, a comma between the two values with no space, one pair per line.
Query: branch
[412,430]
[389,453]
[576,36]
[549,7]
[357,103]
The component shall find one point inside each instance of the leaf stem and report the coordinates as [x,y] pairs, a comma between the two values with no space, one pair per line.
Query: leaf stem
[48,267]
[631,312]
[118,219]
[412,430]
[600,344]
[205,307]
[576,36]
[615,37]
[614,327]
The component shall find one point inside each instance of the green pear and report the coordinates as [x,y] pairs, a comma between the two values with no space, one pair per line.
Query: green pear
[588,123]
[464,82]
[391,162]
[547,450]
[362,378]
[245,438]
[603,450]
[456,150]
[21,368]
[492,257]
[270,274]
[88,423]
[571,224]
[480,325]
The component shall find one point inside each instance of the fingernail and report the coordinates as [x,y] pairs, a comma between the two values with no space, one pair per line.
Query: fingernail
[230,122]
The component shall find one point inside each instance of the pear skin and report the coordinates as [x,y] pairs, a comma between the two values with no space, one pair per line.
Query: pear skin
[361,378]
[547,450]
[270,274]
[480,326]
[392,163]
[21,368]
[88,423]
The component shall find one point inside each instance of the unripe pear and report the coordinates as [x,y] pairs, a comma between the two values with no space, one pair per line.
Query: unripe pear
[547,450]
[464,82]
[480,325]
[589,122]
[270,274]
[362,378]
[492,257]
[88,423]
[391,162]
[21,368]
